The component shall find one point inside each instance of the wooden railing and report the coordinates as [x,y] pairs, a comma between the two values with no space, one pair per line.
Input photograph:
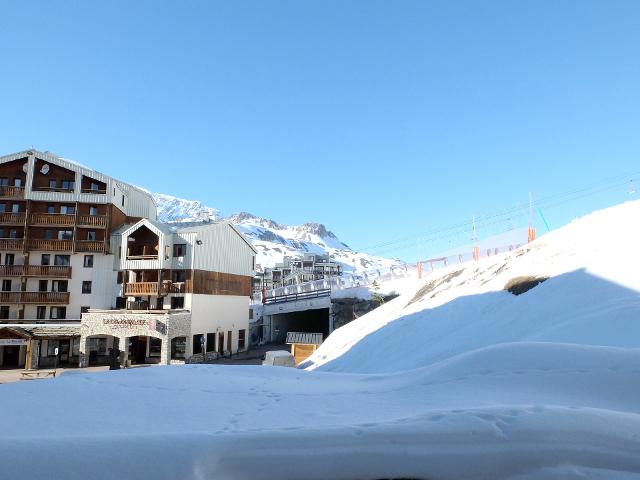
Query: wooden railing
[54,271]
[177,287]
[96,246]
[12,192]
[34,297]
[52,219]
[10,218]
[141,288]
[51,189]
[97,221]
[11,243]
[53,245]
[142,257]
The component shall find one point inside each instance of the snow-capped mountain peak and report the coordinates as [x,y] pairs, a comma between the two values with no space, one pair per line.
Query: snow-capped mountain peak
[273,240]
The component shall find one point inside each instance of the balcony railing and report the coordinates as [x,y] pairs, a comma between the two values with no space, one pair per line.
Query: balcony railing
[141,288]
[94,191]
[11,244]
[10,218]
[151,288]
[54,189]
[51,245]
[11,192]
[96,246]
[52,219]
[142,257]
[35,297]
[95,221]
[52,271]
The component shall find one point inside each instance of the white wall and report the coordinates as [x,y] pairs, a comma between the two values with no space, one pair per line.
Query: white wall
[220,313]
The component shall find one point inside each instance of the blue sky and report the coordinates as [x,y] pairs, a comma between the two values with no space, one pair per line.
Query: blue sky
[383,120]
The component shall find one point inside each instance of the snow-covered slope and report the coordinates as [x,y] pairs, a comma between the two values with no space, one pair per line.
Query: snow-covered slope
[273,240]
[592,297]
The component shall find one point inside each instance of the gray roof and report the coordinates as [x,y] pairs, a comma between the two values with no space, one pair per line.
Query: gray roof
[304,337]
[49,331]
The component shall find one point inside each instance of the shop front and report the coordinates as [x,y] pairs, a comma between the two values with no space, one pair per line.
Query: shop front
[147,337]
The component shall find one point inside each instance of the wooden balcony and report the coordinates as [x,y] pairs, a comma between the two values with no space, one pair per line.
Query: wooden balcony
[151,288]
[50,271]
[96,246]
[141,288]
[41,298]
[52,219]
[92,221]
[51,245]
[10,192]
[9,218]
[12,244]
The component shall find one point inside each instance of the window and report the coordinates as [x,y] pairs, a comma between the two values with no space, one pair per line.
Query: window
[119,278]
[15,208]
[178,347]
[4,182]
[58,313]
[167,251]
[93,211]
[86,286]
[88,261]
[4,312]
[41,312]
[177,303]
[155,347]
[84,310]
[3,207]
[13,233]
[51,209]
[123,200]
[60,285]
[211,342]
[98,345]
[94,186]
[48,234]
[62,260]
[68,184]
[45,259]
[179,276]
[65,234]
[43,285]
[9,259]
[179,250]
[67,209]
[53,183]
[6,285]
[17,182]
[241,339]
[51,347]
[91,235]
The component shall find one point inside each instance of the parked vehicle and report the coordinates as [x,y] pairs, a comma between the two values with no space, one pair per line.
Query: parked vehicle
[279,358]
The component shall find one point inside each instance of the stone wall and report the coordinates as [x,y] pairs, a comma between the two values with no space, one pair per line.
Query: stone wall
[346,310]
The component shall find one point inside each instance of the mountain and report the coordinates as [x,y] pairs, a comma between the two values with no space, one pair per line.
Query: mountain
[273,240]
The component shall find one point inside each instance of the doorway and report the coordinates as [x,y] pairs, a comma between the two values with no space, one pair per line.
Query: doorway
[11,358]
[138,349]
[221,343]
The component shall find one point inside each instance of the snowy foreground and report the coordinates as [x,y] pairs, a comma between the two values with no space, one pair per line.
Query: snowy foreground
[454,379]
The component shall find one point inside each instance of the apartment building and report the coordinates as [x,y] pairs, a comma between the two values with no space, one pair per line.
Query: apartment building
[79,253]
[296,270]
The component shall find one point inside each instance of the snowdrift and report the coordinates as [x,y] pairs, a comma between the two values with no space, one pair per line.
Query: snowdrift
[591,297]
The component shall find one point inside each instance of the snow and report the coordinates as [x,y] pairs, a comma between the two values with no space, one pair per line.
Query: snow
[454,379]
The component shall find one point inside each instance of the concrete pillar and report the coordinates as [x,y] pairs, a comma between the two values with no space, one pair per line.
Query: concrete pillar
[331,316]
[165,351]
[84,352]
[123,345]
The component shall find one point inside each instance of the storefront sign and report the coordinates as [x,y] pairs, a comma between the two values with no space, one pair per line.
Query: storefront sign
[124,322]
[12,341]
